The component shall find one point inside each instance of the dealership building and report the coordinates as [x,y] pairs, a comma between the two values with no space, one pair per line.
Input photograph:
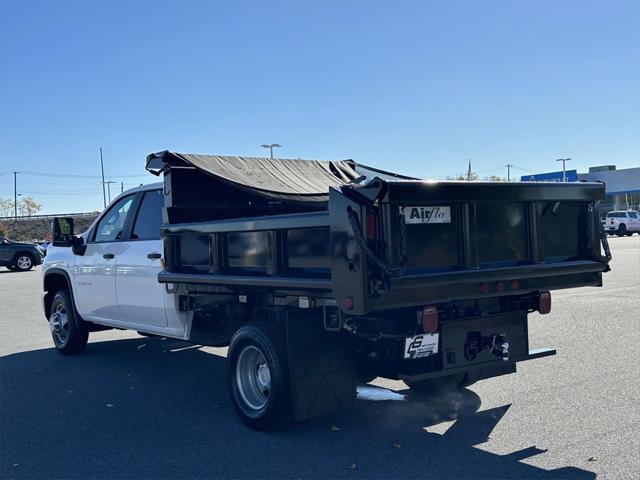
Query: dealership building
[622,186]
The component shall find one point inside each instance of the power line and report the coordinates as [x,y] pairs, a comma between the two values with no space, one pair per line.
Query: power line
[523,169]
[73,175]
[77,175]
[85,194]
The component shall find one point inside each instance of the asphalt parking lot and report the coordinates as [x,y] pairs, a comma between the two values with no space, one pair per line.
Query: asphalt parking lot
[134,407]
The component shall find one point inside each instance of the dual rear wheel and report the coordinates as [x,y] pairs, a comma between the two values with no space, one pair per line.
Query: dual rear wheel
[258,376]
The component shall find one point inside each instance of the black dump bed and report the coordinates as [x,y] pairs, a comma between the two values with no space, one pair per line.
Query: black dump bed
[371,239]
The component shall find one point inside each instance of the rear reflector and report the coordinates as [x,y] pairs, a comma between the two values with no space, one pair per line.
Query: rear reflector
[430,319]
[372,225]
[544,302]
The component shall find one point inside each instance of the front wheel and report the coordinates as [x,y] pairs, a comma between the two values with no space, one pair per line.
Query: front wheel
[258,377]
[23,262]
[69,334]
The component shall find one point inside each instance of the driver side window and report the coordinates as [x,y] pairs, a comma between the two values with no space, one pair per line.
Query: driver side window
[111,225]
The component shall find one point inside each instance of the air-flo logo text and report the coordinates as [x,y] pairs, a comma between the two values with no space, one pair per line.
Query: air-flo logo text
[427,214]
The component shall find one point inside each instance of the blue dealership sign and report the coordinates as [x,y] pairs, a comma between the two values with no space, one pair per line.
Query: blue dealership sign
[570,175]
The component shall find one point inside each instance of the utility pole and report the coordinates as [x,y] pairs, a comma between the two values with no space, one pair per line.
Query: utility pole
[509,165]
[108,183]
[271,146]
[121,187]
[104,195]
[15,195]
[564,171]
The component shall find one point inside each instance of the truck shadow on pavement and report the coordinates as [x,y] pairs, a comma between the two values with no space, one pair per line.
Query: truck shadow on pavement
[158,408]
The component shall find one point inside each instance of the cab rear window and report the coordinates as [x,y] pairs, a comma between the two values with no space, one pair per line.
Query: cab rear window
[149,219]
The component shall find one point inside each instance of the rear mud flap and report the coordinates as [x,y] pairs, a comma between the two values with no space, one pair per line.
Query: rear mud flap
[321,368]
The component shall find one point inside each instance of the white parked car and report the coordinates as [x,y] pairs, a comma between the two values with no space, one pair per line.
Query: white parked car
[623,222]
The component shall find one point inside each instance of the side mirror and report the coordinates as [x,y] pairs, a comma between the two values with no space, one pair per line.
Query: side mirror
[62,235]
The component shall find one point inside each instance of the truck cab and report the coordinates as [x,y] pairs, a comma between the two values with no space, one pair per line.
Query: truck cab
[112,277]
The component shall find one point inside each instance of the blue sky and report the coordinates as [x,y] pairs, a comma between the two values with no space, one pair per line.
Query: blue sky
[418,87]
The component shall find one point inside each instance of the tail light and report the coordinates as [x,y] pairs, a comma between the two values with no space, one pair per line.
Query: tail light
[429,319]
[544,302]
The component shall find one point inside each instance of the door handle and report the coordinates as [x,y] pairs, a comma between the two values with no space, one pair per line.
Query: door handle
[154,256]
[108,256]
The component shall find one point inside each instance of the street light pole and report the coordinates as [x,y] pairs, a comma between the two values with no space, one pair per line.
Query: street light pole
[564,170]
[271,146]
[104,195]
[509,165]
[108,183]
[15,195]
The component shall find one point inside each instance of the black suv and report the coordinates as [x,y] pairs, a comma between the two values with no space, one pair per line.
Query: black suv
[19,256]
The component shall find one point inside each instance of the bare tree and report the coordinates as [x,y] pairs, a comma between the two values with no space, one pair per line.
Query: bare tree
[470,176]
[28,206]
[496,178]
[6,207]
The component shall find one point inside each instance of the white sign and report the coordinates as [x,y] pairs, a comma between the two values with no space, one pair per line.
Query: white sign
[421,345]
[427,214]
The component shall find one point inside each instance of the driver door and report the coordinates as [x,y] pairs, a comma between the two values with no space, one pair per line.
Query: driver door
[95,271]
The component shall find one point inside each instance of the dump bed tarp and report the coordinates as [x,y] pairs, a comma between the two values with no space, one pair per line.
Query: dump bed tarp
[305,179]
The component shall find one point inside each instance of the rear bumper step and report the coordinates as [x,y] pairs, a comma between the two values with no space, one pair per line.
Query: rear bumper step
[537,353]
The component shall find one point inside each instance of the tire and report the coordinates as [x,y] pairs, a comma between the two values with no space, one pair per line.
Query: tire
[436,386]
[23,262]
[69,333]
[258,376]
[622,230]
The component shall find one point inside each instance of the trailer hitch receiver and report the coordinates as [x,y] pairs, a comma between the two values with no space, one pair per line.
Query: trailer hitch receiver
[496,344]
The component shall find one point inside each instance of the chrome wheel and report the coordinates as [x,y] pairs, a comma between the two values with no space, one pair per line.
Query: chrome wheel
[253,378]
[59,325]
[24,262]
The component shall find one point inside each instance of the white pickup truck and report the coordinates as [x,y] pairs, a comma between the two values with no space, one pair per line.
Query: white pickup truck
[114,283]
[621,223]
